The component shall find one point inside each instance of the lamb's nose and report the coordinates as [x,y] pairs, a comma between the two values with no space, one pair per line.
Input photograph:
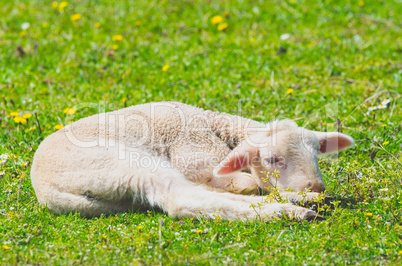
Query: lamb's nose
[316,186]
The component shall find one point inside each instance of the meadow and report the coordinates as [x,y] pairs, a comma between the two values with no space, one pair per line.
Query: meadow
[329,65]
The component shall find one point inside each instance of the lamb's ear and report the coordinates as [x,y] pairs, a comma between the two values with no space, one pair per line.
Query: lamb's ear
[333,141]
[238,159]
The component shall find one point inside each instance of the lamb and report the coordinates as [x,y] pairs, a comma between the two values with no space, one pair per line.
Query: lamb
[181,159]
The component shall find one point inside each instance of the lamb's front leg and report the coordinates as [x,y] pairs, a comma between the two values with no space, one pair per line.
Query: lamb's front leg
[182,198]
[303,199]
[190,202]
[237,182]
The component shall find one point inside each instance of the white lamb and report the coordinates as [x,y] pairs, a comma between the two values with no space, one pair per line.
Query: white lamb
[181,159]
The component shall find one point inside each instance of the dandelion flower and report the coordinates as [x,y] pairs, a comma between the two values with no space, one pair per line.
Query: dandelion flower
[115,47]
[14,113]
[69,111]
[27,115]
[198,231]
[361,3]
[124,100]
[58,127]
[97,25]
[117,37]
[289,91]
[76,17]
[20,120]
[62,5]
[5,247]
[385,143]
[55,5]
[216,19]
[137,23]
[369,214]
[165,68]
[400,252]
[226,14]
[383,125]
[222,26]
[139,227]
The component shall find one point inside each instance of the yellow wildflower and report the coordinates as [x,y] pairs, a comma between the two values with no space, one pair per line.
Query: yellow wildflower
[139,227]
[70,122]
[137,23]
[104,237]
[226,14]
[23,33]
[289,91]
[199,231]
[312,44]
[400,252]
[27,115]
[20,120]
[385,143]
[383,125]
[369,214]
[5,247]
[165,68]
[361,3]
[97,25]
[216,19]
[76,17]
[45,25]
[58,127]
[222,26]
[69,111]
[62,5]
[117,37]
[55,5]
[115,47]
[14,113]
[124,100]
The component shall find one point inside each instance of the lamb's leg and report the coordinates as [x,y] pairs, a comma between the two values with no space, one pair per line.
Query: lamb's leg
[238,182]
[181,198]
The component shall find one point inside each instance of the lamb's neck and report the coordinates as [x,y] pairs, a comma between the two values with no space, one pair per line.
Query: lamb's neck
[232,128]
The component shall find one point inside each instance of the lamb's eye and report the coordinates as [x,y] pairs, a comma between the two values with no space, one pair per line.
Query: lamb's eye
[273,160]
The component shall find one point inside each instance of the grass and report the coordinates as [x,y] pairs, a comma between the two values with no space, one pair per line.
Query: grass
[339,59]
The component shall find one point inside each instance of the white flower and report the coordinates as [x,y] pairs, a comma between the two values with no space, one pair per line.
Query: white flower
[385,102]
[176,233]
[384,189]
[25,25]
[4,156]
[2,173]
[285,36]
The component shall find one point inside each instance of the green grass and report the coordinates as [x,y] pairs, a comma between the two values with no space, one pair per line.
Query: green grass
[341,58]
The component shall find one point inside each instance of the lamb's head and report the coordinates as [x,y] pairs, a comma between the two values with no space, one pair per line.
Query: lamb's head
[285,156]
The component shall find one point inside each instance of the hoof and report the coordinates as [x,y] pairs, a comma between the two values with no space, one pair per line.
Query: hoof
[313,216]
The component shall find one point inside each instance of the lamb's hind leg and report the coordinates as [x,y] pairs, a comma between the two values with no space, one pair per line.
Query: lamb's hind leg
[86,206]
